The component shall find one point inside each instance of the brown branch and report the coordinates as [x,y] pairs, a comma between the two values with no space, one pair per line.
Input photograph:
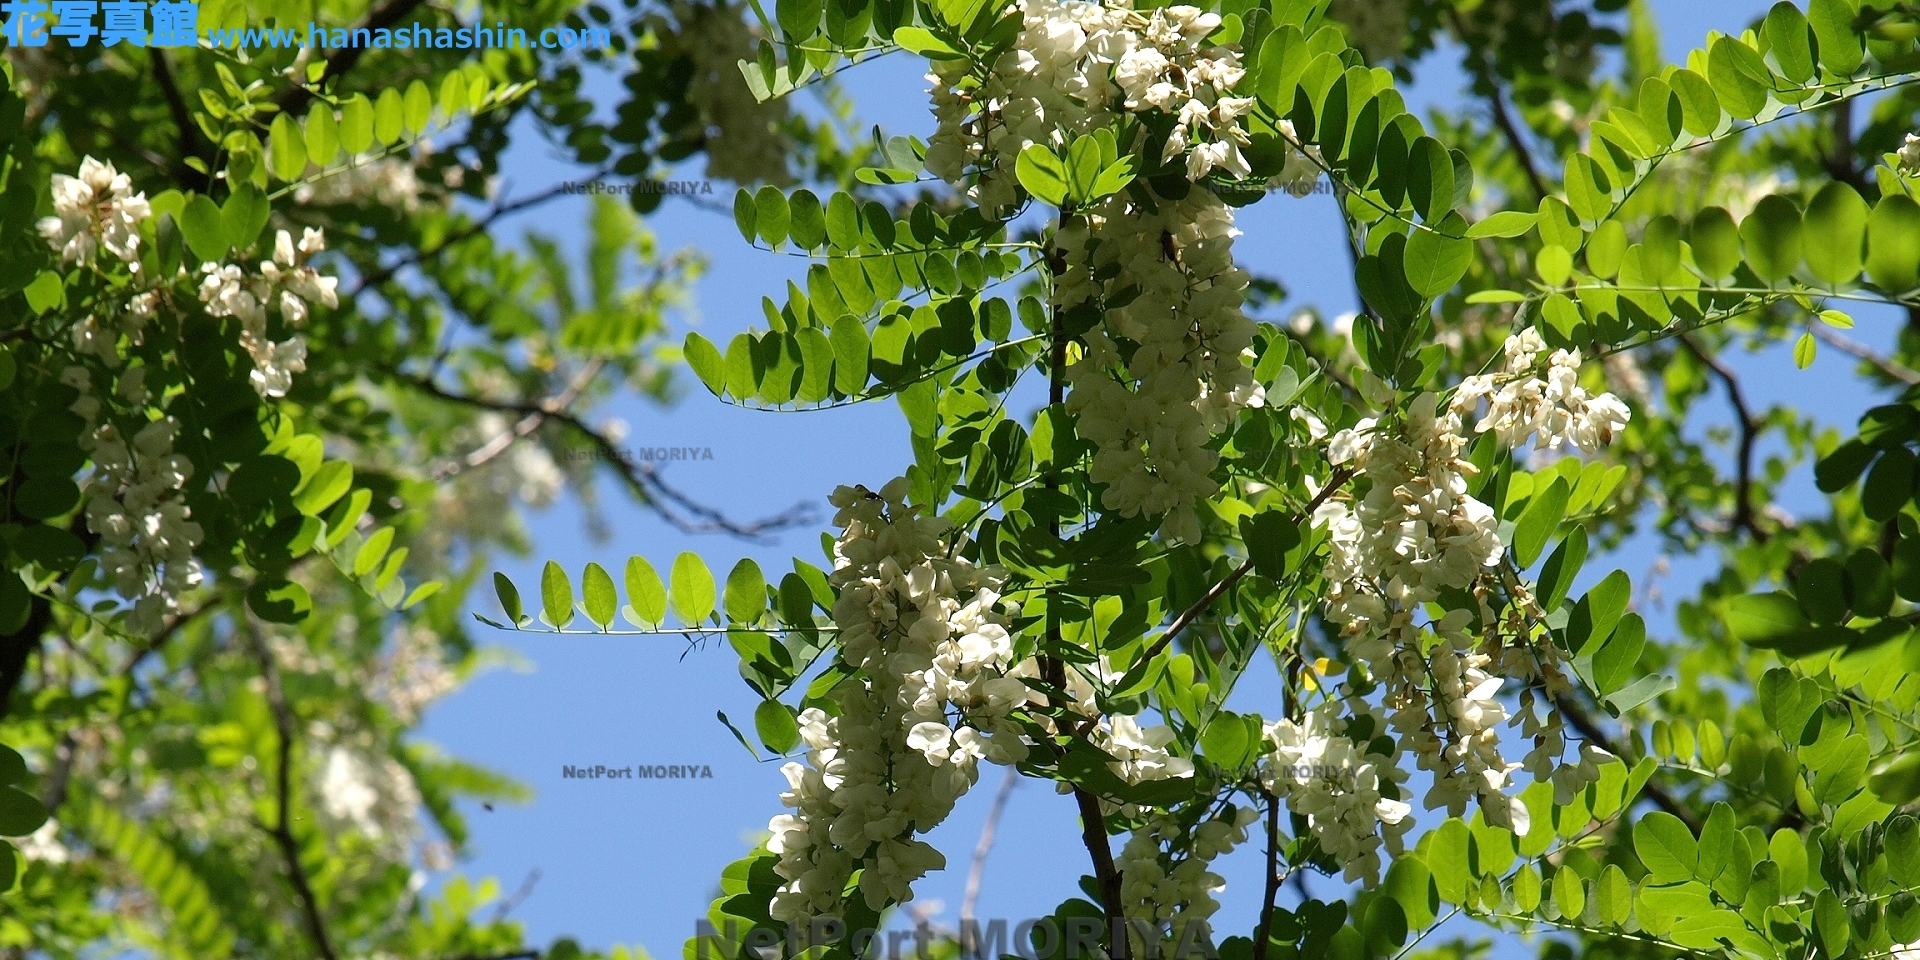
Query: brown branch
[282,828]
[1265,932]
[642,480]
[1193,612]
[343,59]
[1743,516]
[1655,790]
[189,145]
[979,868]
[1861,351]
[527,425]
[463,234]
[1522,154]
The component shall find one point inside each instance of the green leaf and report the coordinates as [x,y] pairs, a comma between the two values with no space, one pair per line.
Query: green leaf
[1805,350]
[509,598]
[1836,232]
[20,813]
[1638,692]
[389,117]
[1556,578]
[806,221]
[1411,886]
[1840,47]
[1042,173]
[1738,77]
[1665,846]
[556,596]
[205,233]
[1430,179]
[1613,895]
[745,214]
[706,362]
[1893,244]
[1614,662]
[417,107]
[1447,858]
[1897,782]
[647,594]
[279,601]
[746,593]
[356,124]
[1700,108]
[1506,223]
[843,221]
[1889,485]
[775,723]
[1434,263]
[1771,236]
[327,485]
[1716,243]
[1537,524]
[770,220]
[1788,38]
[13,767]
[1569,894]
[693,589]
[597,591]
[1830,923]
[372,551]
[1526,888]
[851,351]
[286,150]
[322,135]
[1269,536]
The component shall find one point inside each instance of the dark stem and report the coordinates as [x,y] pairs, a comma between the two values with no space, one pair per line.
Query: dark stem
[190,145]
[1743,516]
[1522,154]
[1273,877]
[282,828]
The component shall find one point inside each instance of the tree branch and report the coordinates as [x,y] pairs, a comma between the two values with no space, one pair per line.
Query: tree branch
[642,479]
[343,59]
[1743,515]
[1655,790]
[190,145]
[1522,154]
[974,873]
[1192,613]
[282,828]
[1855,348]
[1265,932]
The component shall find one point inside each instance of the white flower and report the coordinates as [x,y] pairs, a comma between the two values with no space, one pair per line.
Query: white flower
[97,208]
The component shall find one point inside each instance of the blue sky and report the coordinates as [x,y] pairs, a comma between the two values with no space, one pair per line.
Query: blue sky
[637,861]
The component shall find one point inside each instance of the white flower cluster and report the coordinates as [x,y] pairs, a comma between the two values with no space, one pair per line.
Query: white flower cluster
[286,283]
[1336,784]
[1555,408]
[1164,370]
[931,698]
[135,501]
[1415,532]
[371,794]
[1169,893]
[746,140]
[388,181]
[1076,68]
[95,209]
[1910,154]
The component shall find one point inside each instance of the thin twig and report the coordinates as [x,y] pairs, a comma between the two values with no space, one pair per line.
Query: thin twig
[1522,154]
[642,480]
[1273,877]
[1861,351]
[1749,434]
[979,868]
[1192,613]
[519,896]
[1654,788]
[282,828]
[527,425]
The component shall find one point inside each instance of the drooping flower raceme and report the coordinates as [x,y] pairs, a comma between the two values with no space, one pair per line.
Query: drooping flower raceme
[286,284]
[1348,794]
[931,696]
[1415,532]
[96,209]
[1166,884]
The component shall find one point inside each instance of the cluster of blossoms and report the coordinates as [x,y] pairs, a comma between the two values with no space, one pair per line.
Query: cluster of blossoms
[1910,154]
[1170,895]
[1164,369]
[1415,532]
[96,209]
[284,283]
[932,697]
[746,140]
[135,501]
[1349,795]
